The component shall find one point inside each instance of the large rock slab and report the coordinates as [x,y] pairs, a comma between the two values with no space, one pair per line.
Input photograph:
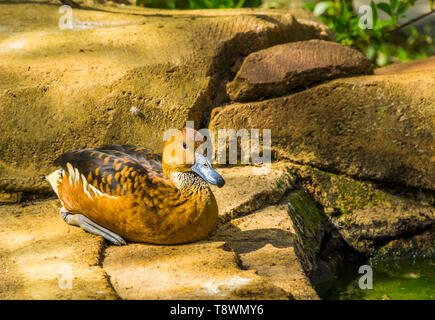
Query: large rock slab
[265,242]
[419,246]
[411,66]
[63,89]
[368,217]
[246,191]
[281,69]
[41,257]
[203,270]
[371,127]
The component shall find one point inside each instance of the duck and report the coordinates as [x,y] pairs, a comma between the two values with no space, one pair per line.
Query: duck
[127,193]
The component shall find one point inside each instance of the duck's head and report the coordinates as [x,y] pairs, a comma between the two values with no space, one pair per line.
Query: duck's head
[182,154]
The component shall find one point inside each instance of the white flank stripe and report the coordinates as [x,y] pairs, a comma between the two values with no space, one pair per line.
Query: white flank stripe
[70,172]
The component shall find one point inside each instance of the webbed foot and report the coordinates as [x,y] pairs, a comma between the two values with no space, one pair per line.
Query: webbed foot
[88,225]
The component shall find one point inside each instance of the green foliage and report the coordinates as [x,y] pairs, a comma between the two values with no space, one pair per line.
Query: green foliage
[383,42]
[197,4]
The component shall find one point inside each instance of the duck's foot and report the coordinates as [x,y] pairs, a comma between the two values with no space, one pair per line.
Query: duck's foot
[90,226]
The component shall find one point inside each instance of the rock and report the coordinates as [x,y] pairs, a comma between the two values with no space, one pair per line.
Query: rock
[419,246]
[63,89]
[369,127]
[202,270]
[40,253]
[246,191]
[284,68]
[10,197]
[264,242]
[411,66]
[309,228]
[366,216]
[247,258]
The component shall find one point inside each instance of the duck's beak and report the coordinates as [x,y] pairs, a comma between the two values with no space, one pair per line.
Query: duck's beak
[206,171]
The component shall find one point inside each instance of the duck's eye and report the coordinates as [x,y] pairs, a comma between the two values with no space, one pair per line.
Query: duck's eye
[184,145]
[205,165]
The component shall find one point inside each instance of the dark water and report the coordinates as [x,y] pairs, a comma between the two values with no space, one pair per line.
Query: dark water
[395,280]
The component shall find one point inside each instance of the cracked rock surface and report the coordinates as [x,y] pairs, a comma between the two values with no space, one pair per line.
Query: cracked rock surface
[41,257]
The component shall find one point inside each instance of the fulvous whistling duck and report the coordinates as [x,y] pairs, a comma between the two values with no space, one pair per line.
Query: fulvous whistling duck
[124,192]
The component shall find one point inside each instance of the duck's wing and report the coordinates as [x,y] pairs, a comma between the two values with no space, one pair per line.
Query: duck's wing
[143,156]
[114,170]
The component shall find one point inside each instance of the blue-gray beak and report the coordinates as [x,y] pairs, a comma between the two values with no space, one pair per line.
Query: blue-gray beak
[205,170]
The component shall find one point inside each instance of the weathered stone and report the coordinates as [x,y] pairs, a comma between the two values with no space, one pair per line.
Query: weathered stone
[411,66]
[278,70]
[309,228]
[203,270]
[10,197]
[371,127]
[264,241]
[246,191]
[41,257]
[64,89]
[365,215]
[417,247]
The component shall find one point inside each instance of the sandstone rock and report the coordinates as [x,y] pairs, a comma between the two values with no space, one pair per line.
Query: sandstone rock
[417,247]
[278,70]
[411,66]
[370,127]
[63,89]
[40,253]
[264,241]
[203,270]
[246,191]
[10,197]
[366,216]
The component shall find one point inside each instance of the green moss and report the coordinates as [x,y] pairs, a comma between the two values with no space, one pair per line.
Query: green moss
[281,184]
[353,195]
[302,206]
[346,194]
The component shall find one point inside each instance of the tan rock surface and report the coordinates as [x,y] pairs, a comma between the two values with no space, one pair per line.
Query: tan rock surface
[411,66]
[39,253]
[245,191]
[203,270]
[370,127]
[264,241]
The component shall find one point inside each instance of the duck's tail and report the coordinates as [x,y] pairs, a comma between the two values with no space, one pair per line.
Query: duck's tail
[55,178]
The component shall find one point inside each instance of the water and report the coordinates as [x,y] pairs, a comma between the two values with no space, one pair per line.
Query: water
[392,280]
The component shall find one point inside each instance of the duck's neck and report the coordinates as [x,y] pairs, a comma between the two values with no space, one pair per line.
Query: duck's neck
[188,182]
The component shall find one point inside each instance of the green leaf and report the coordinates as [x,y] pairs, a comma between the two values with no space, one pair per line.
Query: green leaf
[403,7]
[309,6]
[374,11]
[385,7]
